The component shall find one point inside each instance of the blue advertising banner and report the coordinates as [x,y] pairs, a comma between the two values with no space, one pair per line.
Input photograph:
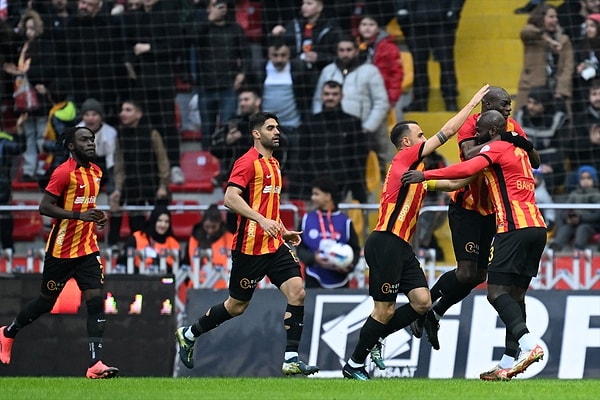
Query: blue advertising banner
[471,336]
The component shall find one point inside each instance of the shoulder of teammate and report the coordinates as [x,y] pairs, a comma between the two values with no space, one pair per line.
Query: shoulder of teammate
[513,126]
[467,130]
[496,148]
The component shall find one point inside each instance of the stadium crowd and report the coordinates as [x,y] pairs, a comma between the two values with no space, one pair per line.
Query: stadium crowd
[180,75]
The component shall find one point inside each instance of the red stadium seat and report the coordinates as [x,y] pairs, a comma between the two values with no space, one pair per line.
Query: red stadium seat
[18,184]
[182,221]
[287,216]
[189,135]
[199,168]
[28,225]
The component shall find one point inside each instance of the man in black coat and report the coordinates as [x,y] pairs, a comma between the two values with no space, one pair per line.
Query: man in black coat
[335,145]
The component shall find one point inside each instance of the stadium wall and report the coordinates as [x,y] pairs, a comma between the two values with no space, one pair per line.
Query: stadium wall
[471,337]
[138,337]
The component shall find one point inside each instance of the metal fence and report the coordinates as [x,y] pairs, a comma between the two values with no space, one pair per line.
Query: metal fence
[581,272]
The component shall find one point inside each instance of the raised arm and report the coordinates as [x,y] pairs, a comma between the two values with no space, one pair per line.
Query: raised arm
[453,125]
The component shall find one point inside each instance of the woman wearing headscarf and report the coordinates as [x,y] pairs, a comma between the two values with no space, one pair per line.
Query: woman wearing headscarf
[154,240]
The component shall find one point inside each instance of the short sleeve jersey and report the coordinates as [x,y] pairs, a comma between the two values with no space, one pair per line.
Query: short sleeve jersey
[475,196]
[76,188]
[400,204]
[508,175]
[260,180]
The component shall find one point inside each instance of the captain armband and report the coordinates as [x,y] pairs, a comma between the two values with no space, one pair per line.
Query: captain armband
[431,185]
[441,137]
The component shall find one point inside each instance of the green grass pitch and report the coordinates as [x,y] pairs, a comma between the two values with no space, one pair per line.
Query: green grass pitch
[46,388]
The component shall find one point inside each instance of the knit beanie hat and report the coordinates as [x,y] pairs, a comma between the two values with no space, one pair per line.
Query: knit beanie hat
[590,170]
[92,105]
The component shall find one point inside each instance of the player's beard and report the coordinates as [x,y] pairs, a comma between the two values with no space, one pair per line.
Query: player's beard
[83,156]
[270,144]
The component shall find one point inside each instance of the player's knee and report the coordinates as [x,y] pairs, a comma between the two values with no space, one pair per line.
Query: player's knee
[95,305]
[295,294]
[420,300]
[467,273]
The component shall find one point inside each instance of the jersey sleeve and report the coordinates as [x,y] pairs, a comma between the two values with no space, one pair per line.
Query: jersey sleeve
[59,180]
[242,172]
[513,126]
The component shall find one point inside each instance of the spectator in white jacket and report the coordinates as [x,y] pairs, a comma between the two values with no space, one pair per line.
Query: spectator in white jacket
[364,96]
[542,196]
[92,117]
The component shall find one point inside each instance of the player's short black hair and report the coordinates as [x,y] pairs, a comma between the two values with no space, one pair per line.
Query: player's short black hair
[400,130]
[68,136]
[258,119]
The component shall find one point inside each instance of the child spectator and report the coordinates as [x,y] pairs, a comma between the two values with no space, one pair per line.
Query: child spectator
[578,223]
[320,229]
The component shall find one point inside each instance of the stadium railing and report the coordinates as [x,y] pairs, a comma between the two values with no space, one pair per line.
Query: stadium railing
[577,270]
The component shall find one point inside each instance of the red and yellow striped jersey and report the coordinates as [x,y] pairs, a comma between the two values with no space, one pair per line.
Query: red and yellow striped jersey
[475,196]
[509,178]
[76,188]
[260,180]
[400,204]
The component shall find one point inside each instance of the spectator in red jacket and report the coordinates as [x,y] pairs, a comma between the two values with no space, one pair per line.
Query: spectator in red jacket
[377,46]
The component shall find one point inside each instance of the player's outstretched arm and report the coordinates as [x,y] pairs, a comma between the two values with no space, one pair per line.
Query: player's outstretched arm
[448,185]
[453,125]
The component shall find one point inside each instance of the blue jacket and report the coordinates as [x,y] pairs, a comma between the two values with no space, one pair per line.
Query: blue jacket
[343,232]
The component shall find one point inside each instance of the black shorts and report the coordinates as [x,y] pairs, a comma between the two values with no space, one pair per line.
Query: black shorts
[88,272]
[393,267]
[472,234]
[248,270]
[515,257]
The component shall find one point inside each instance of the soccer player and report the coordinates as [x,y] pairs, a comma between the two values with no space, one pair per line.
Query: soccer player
[472,223]
[520,234]
[72,249]
[260,247]
[393,266]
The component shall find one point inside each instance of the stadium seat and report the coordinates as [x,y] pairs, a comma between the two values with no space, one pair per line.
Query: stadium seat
[199,168]
[28,225]
[189,135]
[124,232]
[18,184]
[182,221]
[287,216]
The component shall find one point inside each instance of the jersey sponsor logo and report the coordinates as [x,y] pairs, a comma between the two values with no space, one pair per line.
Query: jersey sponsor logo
[388,288]
[85,200]
[272,189]
[246,283]
[472,248]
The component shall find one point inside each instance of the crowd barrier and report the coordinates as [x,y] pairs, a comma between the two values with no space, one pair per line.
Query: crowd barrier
[578,270]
